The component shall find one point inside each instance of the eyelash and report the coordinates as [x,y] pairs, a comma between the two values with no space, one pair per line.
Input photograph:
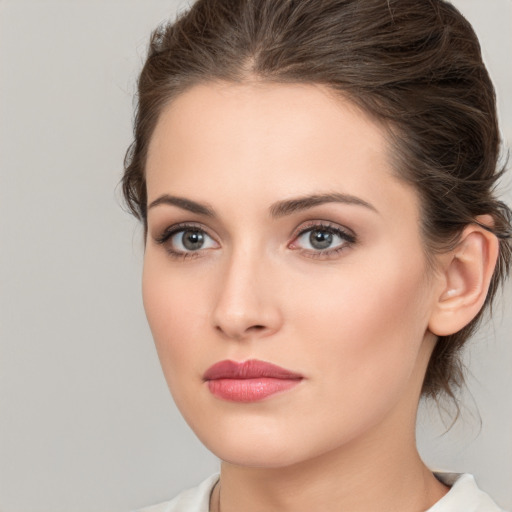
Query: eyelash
[173,230]
[348,237]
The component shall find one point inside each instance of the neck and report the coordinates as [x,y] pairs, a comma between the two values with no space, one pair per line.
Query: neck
[392,479]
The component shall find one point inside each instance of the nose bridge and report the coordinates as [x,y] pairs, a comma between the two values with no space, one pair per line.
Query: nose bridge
[245,305]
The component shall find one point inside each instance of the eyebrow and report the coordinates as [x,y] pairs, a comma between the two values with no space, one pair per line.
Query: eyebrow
[184,204]
[277,210]
[289,206]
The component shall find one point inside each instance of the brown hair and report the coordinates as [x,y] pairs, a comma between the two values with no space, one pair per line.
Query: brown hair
[414,65]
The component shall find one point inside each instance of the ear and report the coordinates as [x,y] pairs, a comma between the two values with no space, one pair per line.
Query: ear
[464,278]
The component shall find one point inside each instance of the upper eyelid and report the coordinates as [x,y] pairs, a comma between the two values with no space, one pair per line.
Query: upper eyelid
[325,224]
[169,231]
[303,227]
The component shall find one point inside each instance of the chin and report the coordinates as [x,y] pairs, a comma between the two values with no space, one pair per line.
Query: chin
[256,457]
[250,444]
[261,446]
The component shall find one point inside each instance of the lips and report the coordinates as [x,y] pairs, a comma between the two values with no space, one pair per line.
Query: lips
[250,381]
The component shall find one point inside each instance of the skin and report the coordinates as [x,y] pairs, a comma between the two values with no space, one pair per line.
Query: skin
[354,323]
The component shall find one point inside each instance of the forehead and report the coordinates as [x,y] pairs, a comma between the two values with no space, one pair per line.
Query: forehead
[266,142]
[276,117]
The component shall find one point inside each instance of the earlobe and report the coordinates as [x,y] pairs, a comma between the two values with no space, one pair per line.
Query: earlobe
[466,275]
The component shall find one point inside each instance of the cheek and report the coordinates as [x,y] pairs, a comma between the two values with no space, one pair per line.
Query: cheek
[367,326]
[175,309]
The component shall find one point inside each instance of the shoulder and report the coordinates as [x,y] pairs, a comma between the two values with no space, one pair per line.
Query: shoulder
[464,495]
[192,500]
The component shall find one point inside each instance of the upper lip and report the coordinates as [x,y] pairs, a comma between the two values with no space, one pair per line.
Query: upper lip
[250,369]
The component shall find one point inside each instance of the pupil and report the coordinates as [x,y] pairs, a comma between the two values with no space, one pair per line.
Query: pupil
[193,240]
[320,239]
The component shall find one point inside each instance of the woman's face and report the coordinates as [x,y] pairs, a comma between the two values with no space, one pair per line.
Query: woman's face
[277,232]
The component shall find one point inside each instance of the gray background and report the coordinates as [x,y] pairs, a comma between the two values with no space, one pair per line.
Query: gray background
[86,421]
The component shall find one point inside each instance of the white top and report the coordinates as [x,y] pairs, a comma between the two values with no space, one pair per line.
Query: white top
[463,496]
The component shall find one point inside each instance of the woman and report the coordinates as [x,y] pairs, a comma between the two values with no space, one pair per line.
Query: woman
[315,179]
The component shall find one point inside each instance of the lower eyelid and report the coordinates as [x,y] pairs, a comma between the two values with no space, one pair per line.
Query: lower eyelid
[327,254]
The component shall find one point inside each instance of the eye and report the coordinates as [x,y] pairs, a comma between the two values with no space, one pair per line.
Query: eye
[186,241]
[323,239]
[191,240]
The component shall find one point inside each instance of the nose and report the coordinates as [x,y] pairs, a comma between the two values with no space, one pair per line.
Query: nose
[247,302]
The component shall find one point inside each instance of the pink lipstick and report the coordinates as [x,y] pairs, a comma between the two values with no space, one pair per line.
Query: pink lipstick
[250,381]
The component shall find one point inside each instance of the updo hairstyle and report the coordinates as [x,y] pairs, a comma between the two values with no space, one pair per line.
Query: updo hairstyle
[413,66]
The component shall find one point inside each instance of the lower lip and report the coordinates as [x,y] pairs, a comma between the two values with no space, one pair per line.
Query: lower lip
[249,390]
